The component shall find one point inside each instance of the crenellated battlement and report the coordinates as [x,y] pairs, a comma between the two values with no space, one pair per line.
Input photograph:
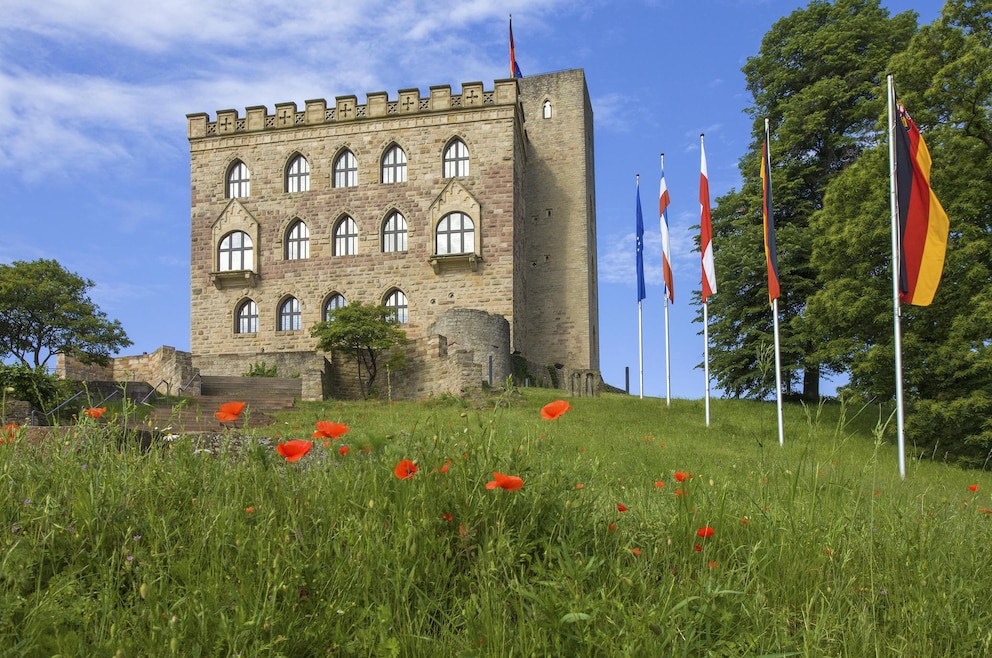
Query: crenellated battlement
[347,109]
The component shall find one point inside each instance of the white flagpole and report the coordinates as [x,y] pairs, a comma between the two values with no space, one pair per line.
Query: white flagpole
[706,358]
[668,348]
[640,317]
[896,269]
[778,350]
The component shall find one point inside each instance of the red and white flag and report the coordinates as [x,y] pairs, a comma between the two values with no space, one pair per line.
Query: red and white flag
[666,246]
[706,227]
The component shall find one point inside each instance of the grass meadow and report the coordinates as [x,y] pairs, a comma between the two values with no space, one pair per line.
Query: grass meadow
[638,532]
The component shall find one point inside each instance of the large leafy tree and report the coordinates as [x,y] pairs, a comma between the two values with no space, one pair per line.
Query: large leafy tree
[45,310]
[366,332]
[945,79]
[819,80]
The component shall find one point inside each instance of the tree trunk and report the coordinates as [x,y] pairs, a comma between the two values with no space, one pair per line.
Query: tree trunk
[811,384]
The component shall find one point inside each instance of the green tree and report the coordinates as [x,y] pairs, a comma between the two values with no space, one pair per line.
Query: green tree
[368,333]
[818,78]
[945,80]
[45,310]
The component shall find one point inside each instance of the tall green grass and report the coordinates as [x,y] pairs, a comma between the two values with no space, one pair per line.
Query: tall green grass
[193,549]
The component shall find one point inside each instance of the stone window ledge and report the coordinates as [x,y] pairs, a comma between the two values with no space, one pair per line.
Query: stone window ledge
[234,278]
[439,263]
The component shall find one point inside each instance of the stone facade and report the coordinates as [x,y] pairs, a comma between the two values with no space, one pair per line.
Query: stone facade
[530,260]
[166,370]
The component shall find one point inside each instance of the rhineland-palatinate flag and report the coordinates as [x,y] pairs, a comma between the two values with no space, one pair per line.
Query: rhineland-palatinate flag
[706,227]
[641,294]
[666,246]
[769,223]
[923,224]
[514,69]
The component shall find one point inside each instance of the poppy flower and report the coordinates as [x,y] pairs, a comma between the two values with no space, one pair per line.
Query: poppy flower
[705,531]
[95,412]
[552,410]
[612,527]
[580,486]
[329,430]
[294,450]
[621,507]
[447,465]
[405,469]
[659,484]
[10,430]
[635,551]
[229,411]
[343,450]
[699,549]
[972,487]
[508,482]
[250,509]
[713,564]
[682,476]
[448,517]
[678,492]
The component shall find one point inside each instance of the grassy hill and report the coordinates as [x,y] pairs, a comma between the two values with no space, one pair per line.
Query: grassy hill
[638,531]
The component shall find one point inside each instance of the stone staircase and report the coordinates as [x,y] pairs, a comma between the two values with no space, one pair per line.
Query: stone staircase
[196,413]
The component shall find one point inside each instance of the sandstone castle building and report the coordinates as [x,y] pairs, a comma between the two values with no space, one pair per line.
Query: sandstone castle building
[471,214]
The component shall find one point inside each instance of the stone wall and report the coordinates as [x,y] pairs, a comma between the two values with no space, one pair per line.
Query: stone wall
[166,369]
[308,366]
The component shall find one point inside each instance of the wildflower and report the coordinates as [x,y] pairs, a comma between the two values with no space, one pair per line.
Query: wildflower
[612,527]
[294,450]
[448,517]
[659,484]
[10,431]
[250,509]
[713,564]
[635,551]
[682,476]
[343,450]
[447,465]
[972,488]
[679,492]
[95,412]
[705,531]
[580,486]
[621,507]
[699,549]
[405,469]
[508,482]
[229,411]
[329,430]
[552,410]
[744,521]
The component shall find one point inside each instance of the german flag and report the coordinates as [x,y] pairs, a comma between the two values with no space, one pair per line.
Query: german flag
[923,224]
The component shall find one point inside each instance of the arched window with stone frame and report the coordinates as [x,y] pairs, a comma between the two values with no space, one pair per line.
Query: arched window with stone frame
[397,302]
[394,233]
[394,165]
[335,301]
[456,160]
[455,234]
[235,252]
[345,170]
[290,316]
[238,180]
[297,241]
[298,174]
[246,318]
[345,239]
[547,109]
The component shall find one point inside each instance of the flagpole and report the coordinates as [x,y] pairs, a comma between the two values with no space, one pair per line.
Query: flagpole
[640,317]
[706,359]
[706,246]
[668,348]
[778,349]
[896,269]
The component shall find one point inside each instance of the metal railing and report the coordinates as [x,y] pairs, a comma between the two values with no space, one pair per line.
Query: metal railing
[48,414]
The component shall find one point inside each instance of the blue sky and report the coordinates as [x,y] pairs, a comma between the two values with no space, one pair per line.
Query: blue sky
[94,160]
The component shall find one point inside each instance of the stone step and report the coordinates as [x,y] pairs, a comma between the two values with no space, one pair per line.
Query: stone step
[237,388]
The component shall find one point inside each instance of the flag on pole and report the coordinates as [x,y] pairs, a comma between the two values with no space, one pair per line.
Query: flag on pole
[514,69]
[640,245]
[666,247]
[923,224]
[706,227]
[769,222]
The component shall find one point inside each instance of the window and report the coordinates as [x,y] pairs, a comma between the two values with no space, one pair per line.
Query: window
[394,165]
[394,233]
[290,318]
[238,181]
[235,252]
[297,241]
[455,234]
[336,300]
[547,109]
[298,175]
[346,170]
[346,238]
[456,159]
[396,301]
[247,318]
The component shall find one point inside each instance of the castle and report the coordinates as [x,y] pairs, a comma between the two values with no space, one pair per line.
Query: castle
[472,215]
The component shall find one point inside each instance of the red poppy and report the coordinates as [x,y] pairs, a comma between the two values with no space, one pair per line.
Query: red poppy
[508,482]
[678,492]
[10,431]
[229,411]
[659,484]
[294,450]
[405,469]
[744,521]
[612,527]
[682,476]
[972,487]
[95,412]
[343,450]
[447,465]
[580,486]
[250,509]
[705,531]
[713,564]
[448,517]
[552,410]
[699,549]
[635,551]
[621,507]
[329,430]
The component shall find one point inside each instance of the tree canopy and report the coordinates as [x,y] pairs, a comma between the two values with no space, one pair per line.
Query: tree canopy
[365,331]
[45,310]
